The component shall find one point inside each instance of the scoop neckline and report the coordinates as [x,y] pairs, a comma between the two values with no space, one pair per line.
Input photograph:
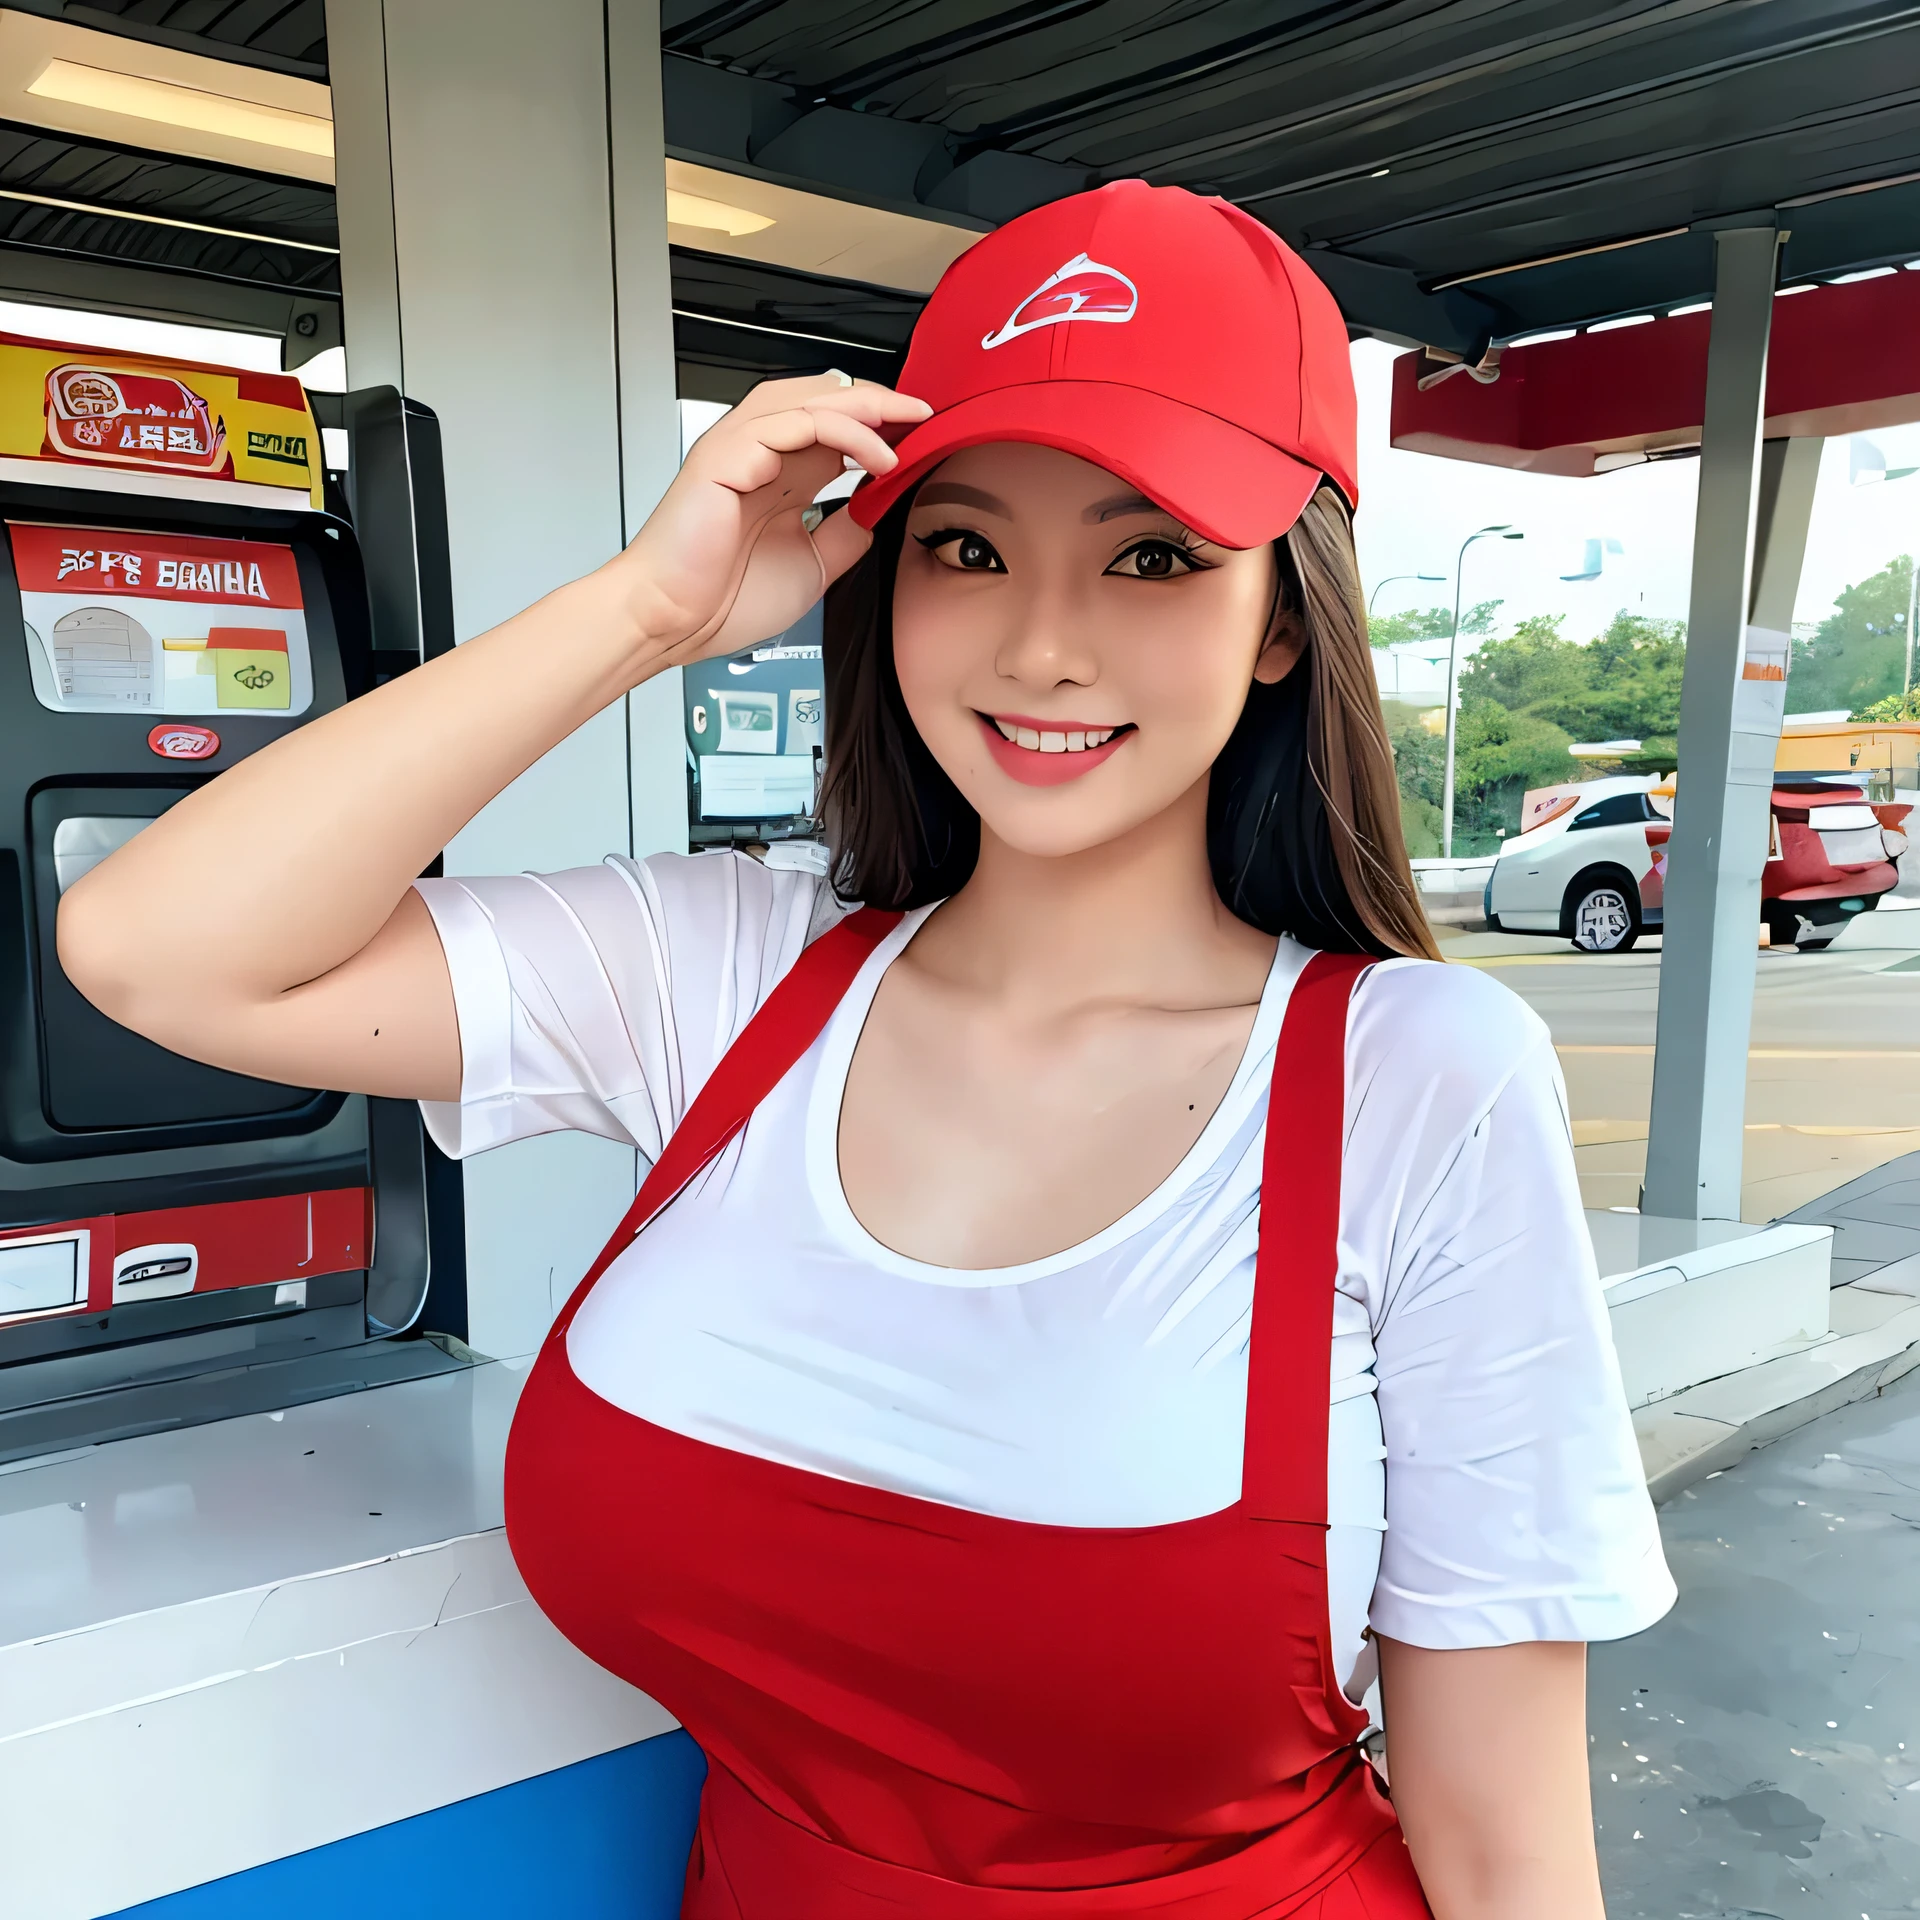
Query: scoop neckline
[827,1098]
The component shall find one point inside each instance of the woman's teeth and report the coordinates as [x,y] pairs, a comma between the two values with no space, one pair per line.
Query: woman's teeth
[1037,742]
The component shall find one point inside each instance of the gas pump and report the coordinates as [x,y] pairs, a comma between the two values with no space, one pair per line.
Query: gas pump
[179,586]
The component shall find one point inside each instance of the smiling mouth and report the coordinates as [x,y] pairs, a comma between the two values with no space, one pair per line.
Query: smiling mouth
[1053,740]
[1039,754]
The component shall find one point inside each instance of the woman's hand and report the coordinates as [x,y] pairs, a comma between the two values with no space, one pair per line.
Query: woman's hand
[1487,1758]
[319,966]
[726,558]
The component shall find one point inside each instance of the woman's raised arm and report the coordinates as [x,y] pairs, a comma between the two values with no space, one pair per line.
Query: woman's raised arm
[294,948]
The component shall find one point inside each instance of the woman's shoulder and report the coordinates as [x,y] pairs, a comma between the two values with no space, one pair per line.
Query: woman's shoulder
[730,920]
[1425,1026]
[726,891]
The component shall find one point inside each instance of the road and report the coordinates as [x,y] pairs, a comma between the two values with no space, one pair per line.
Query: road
[1756,1755]
[1833,1078]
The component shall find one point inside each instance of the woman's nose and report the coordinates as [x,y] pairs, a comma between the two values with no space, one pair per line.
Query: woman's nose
[1049,643]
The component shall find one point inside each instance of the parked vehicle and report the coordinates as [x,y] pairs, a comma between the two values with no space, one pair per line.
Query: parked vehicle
[1594,869]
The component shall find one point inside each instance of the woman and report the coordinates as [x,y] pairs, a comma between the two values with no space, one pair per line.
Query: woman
[952,1450]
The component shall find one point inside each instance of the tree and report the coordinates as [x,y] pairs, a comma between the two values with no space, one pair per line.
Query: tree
[1895,707]
[1623,685]
[1434,623]
[1533,664]
[1524,700]
[1858,656]
[1419,761]
[1498,756]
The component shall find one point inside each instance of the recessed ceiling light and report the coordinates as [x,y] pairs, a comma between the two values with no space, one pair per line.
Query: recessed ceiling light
[1699,306]
[139,98]
[1806,286]
[1378,172]
[713,216]
[1541,339]
[1626,320]
[1870,273]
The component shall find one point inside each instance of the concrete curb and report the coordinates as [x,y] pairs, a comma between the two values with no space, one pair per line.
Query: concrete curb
[1716,1425]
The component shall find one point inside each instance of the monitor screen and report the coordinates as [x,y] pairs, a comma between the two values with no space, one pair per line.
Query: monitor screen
[162,623]
[756,730]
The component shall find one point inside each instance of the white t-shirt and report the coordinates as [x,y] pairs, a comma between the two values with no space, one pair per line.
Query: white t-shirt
[1483,1482]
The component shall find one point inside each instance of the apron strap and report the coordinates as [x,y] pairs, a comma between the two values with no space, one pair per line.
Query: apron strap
[789,1021]
[1284,1476]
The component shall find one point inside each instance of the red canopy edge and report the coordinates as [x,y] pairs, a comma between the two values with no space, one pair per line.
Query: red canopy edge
[1843,359]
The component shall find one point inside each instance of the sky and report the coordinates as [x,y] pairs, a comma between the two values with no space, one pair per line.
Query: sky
[1415,509]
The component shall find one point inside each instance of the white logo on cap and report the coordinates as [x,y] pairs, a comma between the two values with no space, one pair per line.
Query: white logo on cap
[1082,290]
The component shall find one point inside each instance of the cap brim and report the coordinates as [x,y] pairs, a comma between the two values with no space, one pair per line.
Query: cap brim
[1227,484]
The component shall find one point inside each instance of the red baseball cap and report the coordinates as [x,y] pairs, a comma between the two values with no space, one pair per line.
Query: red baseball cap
[1167,337]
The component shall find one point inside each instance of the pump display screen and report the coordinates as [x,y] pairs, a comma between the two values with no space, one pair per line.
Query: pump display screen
[161,623]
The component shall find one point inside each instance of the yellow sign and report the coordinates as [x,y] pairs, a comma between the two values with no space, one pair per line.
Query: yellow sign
[250,665]
[79,407]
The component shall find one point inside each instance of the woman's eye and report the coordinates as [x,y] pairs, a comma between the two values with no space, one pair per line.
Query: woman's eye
[967,552]
[1155,560]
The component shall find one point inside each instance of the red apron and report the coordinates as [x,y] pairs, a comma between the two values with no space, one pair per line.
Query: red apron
[913,1709]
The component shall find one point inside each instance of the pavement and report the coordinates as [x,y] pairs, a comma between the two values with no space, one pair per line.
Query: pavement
[1876,1226]
[1756,1754]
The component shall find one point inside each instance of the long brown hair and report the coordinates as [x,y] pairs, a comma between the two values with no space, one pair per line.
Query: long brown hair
[1303,811]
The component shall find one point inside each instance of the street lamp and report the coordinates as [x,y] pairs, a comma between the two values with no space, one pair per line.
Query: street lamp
[1390,579]
[1502,532]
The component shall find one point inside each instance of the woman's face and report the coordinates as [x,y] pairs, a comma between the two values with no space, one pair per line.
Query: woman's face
[1072,655]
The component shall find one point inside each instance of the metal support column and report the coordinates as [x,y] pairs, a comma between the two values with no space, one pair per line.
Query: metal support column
[1711,914]
[1789,472]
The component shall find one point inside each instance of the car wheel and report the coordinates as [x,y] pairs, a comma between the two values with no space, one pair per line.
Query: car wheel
[1602,913]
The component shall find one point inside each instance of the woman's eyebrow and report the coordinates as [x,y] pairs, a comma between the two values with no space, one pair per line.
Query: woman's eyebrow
[952,493]
[1117,505]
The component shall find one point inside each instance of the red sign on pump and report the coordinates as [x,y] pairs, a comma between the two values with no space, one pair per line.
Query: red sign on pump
[156,566]
[162,623]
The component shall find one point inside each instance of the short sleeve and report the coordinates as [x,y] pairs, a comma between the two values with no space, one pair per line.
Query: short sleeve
[1517,1507]
[599,999]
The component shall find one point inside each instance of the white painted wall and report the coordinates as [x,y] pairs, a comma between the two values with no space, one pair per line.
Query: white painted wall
[504,260]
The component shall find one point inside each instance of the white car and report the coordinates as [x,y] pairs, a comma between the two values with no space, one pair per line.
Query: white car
[1581,873]
[1594,870]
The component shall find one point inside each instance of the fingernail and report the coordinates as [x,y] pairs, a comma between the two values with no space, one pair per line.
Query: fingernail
[845,379]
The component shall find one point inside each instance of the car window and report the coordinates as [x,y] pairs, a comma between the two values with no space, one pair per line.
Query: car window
[1616,810]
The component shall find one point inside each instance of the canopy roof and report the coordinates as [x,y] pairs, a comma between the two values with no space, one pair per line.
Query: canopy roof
[1461,172]
[1841,360]
[1453,168]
